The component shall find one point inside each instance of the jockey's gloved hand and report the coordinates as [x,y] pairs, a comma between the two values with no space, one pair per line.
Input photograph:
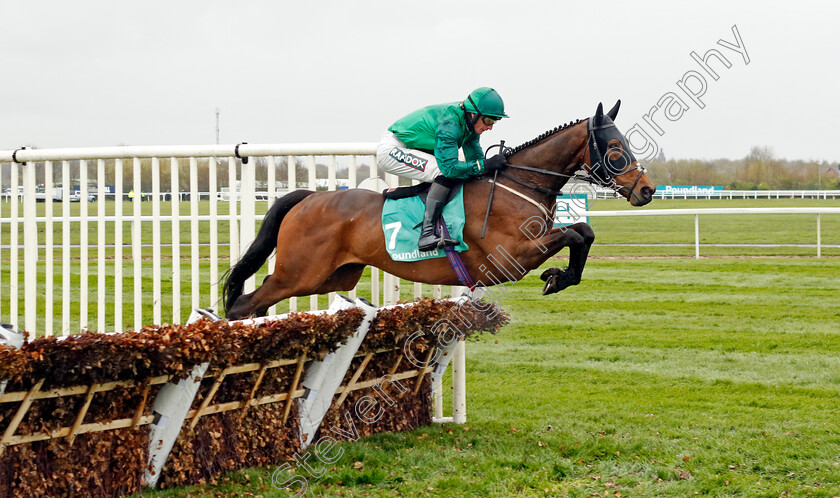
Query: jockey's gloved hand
[494,163]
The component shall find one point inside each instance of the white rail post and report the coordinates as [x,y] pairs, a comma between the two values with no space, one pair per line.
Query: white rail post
[49,255]
[175,189]
[418,287]
[136,246]
[271,186]
[819,236]
[214,231]
[352,183]
[118,245]
[291,186]
[248,208]
[84,282]
[459,369]
[459,383]
[313,185]
[233,228]
[351,173]
[195,269]
[157,294]
[374,272]
[30,251]
[331,186]
[14,235]
[2,198]
[696,236]
[100,245]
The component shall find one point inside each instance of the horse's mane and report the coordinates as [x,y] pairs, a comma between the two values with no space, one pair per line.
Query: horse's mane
[543,136]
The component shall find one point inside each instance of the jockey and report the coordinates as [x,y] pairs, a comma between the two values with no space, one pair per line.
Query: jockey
[424,146]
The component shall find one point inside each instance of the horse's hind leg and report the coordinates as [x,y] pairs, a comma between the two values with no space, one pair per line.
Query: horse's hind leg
[257,303]
[344,278]
[275,289]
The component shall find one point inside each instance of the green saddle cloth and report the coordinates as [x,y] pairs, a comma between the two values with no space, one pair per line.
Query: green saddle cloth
[400,216]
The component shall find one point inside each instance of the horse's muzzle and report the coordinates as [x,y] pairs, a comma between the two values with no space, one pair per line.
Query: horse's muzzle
[641,196]
[646,194]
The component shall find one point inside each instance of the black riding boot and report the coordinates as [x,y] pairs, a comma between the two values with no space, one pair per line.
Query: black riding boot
[434,206]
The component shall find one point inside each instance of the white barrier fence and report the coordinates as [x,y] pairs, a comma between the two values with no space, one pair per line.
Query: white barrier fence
[605,193]
[725,211]
[205,228]
[753,194]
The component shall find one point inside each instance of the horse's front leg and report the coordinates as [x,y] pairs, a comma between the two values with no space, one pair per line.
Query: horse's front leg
[578,238]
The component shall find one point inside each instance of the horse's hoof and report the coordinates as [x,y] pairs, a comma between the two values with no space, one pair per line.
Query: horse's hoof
[551,272]
[549,283]
[556,280]
[555,284]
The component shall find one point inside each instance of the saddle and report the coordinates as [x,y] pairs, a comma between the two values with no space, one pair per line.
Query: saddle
[420,190]
[402,215]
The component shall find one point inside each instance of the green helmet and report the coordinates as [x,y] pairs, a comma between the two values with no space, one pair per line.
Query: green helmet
[486,102]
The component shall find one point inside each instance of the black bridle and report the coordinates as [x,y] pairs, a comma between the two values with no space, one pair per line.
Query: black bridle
[598,175]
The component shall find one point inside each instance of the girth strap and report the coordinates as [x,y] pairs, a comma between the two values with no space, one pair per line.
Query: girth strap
[548,214]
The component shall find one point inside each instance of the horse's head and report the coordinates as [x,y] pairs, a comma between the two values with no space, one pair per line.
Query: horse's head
[610,161]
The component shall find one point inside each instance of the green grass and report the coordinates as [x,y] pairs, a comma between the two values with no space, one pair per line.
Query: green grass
[654,377]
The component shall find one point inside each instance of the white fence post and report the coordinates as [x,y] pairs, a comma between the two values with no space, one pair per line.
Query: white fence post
[195,268]
[313,185]
[232,211]
[14,236]
[174,181]
[157,294]
[374,272]
[214,232]
[49,256]
[136,246]
[271,197]
[247,225]
[84,281]
[100,245]
[291,186]
[819,237]
[696,236]
[30,249]
[118,246]
[459,383]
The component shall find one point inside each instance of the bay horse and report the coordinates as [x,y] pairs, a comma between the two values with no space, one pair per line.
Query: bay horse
[324,240]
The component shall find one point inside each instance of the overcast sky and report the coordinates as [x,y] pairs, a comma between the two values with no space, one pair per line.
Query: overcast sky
[99,73]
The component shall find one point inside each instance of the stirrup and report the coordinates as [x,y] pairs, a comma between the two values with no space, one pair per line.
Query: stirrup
[438,242]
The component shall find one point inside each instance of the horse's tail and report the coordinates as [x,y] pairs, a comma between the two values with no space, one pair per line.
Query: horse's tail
[261,248]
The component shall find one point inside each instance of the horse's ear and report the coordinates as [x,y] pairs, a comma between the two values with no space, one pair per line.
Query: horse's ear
[599,112]
[614,111]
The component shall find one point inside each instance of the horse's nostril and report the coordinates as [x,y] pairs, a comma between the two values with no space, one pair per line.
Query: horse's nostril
[647,192]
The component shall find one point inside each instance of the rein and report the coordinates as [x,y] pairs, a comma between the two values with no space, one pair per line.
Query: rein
[611,185]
